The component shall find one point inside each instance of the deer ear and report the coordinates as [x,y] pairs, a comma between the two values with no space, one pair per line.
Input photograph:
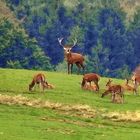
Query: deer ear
[64,48]
[110,80]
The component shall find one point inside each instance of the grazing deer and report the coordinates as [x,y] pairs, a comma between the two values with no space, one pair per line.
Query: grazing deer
[91,77]
[115,90]
[129,87]
[89,87]
[72,58]
[38,79]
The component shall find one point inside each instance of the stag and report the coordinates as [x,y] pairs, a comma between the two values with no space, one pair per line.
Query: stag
[72,58]
[91,77]
[115,90]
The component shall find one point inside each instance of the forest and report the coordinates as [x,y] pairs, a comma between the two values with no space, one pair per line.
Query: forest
[107,32]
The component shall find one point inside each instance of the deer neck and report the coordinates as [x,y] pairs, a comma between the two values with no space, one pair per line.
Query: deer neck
[109,85]
[68,56]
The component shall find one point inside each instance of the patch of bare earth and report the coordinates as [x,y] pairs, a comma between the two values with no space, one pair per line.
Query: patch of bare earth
[123,116]
[84,111]
[73,110]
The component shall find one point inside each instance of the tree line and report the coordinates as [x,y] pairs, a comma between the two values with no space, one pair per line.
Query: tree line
[108,40]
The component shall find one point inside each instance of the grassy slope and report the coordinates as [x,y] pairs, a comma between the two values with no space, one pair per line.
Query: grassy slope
[67,89]
[27,123]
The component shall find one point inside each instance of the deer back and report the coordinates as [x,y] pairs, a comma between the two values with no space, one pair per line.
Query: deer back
[91,77]
[39,78]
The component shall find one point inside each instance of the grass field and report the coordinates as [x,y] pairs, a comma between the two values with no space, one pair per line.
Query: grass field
[66,112]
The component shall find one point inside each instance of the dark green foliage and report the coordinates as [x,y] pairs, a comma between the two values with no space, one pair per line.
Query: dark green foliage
[111,47]
[18,51]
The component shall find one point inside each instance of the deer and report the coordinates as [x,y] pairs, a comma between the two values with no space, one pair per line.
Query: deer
[136,81]
[72,58]
[38,79]
[114,90]
[91,77]
[136,77]
[89,87]
[129,87]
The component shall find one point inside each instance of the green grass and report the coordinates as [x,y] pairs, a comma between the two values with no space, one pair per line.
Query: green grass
[18,122]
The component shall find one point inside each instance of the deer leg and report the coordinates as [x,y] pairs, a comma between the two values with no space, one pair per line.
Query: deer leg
[79,67]
[135,87]
[39,86]
[43,85]
[71,68]
[96,83]
[122,98]
[68,68]
[83,68]
[83,83]
[36,86]
[113,97]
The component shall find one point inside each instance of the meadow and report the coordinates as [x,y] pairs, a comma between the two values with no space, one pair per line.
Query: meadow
[66,112]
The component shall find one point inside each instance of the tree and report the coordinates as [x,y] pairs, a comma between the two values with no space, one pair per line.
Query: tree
[18,51]
[113,34]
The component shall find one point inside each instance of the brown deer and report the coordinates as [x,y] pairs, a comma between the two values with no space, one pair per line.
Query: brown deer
[89,87]
[136,80]
[115,90]
[72,58]
[136,77]
[91,77]
[40,80]
[129,87]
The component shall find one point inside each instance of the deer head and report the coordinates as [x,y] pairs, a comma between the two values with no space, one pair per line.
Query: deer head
[109,82]
[67,48]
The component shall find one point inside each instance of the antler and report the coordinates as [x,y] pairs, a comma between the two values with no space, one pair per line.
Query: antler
[60,41]
[74,41]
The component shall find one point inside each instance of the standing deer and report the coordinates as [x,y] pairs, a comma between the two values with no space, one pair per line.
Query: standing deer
[38,79]
[72,58]
[89,77]
[114,90]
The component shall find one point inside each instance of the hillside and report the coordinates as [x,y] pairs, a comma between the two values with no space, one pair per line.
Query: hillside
[5,12]
[66,112]
[130,7]
[16,48]
[108,38]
